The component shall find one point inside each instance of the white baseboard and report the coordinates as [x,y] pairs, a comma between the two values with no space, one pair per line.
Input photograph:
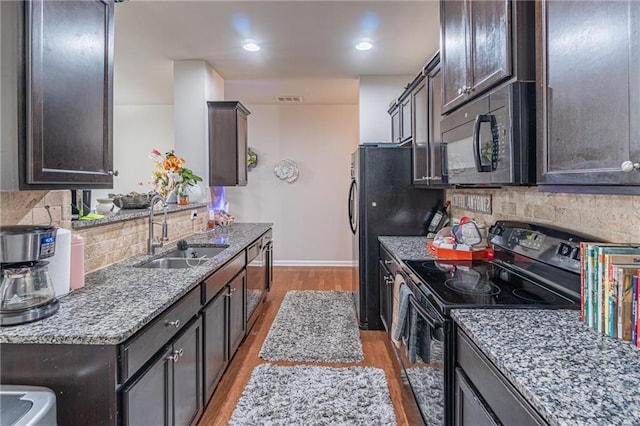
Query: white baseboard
[334,263]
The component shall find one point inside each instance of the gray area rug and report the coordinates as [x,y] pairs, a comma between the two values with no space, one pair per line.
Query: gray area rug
[316,326]
[428,387]
[312,395]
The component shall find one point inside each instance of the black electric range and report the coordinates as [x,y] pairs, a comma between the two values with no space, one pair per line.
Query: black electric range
[533,266]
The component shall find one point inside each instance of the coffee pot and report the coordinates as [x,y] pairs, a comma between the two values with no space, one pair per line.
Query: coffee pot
[26,292]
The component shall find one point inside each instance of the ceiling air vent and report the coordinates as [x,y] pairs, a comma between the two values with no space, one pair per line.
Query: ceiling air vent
[289,99]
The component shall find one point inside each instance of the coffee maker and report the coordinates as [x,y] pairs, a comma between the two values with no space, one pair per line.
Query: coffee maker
[26,293]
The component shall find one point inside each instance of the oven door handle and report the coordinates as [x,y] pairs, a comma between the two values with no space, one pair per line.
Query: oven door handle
[434,321]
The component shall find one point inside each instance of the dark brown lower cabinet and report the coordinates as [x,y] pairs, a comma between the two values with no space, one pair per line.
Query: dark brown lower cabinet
[168,392]
[237,314]
[216,340]
[483,396]
[470,408]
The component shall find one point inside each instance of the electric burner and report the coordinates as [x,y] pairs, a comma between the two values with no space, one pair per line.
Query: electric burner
[483,288]
[533,296]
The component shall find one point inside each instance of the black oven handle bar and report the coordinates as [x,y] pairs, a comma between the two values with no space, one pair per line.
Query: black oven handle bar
[434,320]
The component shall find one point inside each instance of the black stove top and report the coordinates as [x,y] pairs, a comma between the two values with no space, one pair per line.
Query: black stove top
[454,283]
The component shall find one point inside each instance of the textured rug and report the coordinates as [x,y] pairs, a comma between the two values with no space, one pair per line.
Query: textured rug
[316,326]
[311,395]
[428,387]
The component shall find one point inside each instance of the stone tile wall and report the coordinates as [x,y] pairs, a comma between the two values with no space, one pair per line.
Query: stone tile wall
[28,208]
[104,244]
[614,218]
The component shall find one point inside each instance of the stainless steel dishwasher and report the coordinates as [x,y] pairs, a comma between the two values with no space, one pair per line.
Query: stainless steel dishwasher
[259,275]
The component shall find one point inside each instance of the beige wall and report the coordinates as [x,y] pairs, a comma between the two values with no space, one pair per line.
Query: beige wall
[310,214]
[614,218]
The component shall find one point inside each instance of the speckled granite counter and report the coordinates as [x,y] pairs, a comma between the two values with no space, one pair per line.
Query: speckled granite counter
[407,248]
[128,214]
[570,374]
[120,299]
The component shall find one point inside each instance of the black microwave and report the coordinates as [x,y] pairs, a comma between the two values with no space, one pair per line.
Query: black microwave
[491,140]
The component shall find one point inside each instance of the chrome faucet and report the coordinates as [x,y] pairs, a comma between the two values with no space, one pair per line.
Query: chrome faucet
[153,244]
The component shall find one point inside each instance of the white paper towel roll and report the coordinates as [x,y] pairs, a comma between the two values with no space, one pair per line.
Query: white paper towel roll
[60,263]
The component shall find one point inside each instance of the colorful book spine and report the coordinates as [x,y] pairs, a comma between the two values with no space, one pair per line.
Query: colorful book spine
[590,285]
[634,309]
[583,283]
[624,278]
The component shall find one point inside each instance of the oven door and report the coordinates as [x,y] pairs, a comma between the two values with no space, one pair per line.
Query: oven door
[423,352]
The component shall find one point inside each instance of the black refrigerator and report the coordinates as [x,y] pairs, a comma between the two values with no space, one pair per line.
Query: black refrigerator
[382,201]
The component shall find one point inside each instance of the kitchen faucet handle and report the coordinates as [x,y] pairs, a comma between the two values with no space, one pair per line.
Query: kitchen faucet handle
[165,231]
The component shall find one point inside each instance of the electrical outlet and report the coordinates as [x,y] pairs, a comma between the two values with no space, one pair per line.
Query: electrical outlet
[194,214]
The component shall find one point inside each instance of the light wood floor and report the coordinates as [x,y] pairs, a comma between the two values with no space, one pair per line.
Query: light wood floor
[377,352]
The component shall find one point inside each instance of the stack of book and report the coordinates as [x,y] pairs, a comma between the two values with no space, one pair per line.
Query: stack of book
[609,285]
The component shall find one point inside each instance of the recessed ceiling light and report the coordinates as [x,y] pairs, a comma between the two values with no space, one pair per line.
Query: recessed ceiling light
[251,46]
[364,45]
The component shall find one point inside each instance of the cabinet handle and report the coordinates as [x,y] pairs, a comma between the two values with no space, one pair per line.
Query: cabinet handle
[112,173]
[231,291]
[629,166]
[176,355]
[387,262]
[175,323]
[388,280]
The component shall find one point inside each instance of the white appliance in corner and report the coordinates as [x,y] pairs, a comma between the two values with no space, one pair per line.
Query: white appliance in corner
[60,263]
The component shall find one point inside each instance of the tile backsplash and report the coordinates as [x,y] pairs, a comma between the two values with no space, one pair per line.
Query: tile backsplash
[28,208]
[104,244]
[613,218]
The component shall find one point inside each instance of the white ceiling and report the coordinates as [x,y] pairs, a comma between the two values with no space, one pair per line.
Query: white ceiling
[307,46]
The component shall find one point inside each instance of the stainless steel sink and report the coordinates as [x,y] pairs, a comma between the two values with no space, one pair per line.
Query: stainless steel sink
[195,252]
[182,259]
[173,263]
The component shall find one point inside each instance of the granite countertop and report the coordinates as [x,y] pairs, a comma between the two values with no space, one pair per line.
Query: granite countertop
[120,299]
[568,372]
[407,248]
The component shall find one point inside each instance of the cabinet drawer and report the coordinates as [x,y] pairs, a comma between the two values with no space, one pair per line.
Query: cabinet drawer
[254,250]
[388,261]
[507,404]
[222,276]
[136,352]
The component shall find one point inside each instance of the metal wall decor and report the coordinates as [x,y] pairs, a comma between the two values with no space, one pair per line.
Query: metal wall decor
[287,170]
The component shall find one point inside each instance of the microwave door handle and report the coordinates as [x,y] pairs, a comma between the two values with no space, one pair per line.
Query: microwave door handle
[434,323]
[481,118]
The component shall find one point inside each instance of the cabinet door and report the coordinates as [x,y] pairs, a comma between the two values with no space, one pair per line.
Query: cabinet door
[405,119]
[395,125]
[215,342]
[242,147]
[421,134]
[470,409]
[490,43]
[237,315]
[590,92]
[147,401]
[187,375]
[227,143]
[434,81]
[453,25]
[69,75]
[385,281]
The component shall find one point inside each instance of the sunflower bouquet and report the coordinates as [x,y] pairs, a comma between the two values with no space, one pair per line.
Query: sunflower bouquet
[171,175]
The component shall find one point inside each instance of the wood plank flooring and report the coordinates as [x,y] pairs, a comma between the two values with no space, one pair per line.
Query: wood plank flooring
[377,352]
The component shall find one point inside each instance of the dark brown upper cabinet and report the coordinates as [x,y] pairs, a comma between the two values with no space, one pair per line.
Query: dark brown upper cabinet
[227,143]
[66,121]
[587,98]
[484,43]
[427,108]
